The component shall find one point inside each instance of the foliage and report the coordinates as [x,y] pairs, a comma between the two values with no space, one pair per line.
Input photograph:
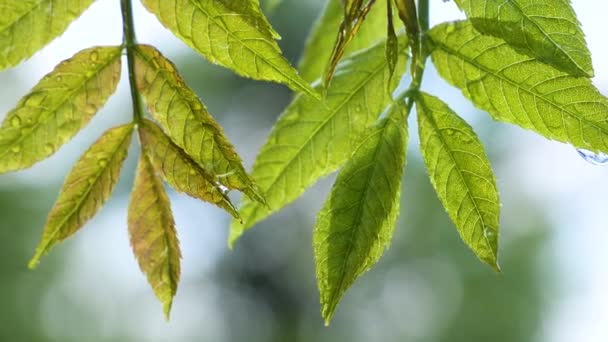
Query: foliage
[523,61]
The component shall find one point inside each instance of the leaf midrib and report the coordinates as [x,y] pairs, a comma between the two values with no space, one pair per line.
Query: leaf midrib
[500,77]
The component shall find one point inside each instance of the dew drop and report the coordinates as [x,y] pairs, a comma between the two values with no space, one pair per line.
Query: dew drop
[15,121]
[450,28]
[489,234]
[449,131]
[102,162]
[196,105]
[58,79]
[599,158]
[222,188]
[94,56]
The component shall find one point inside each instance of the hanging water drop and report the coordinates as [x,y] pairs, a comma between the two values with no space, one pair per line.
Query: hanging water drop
[598,158]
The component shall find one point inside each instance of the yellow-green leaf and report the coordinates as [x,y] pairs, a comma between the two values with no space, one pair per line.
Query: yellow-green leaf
[58,107]
[153,235]
[26,26]
[461,175]
[187,122]
[86,188]
[547,30]
[229,35]
[312,139]
[322,38]
[518,89]
[357,221]
[179,170]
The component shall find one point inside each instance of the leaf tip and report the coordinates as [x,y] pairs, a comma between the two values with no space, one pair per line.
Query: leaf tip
[167,309]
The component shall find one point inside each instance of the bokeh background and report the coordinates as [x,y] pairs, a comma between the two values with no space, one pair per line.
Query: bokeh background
[428,286]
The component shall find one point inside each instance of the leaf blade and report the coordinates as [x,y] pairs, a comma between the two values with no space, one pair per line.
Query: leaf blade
[87,187]
[152,234]
[27,26]
[179,170]
[234,30]
[289,162]
[547,30]
[187,121]
[58,107]
[461,175]
[357,221]
[517,89]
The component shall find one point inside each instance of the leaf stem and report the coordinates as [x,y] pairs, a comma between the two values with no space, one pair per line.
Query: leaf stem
[129,41]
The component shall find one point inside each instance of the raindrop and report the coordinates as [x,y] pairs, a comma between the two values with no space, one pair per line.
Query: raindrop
[58,79]
[94,56]
[15,121]
[489,234]
[449,131]
[599,158]
[222,188]
[451,28]
[102,162]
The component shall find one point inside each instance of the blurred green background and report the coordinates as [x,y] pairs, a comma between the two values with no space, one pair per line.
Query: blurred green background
[428,287]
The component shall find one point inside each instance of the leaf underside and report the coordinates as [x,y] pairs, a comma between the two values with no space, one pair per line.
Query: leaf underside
[179,170]
[152,233]
[461,175]
[518,89]
[547,30]
[58,107]
[357,221]
[226,34]
[87,187]
[26,26]
[312,139]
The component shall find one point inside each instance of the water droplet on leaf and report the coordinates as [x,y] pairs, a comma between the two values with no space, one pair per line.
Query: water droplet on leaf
[34,100]
[102,162]
[94,56]
[599,158]
[16,149]
[15,121]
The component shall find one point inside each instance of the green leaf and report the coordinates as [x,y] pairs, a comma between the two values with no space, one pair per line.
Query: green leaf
[179,170]
[392,42]
[322,38]
[58,107]
[357,221]
[86,188]
[153,235]
[547,30]
[518,89]
[312,139]
[26,26]
[461,175]
[230,35]
[190,126]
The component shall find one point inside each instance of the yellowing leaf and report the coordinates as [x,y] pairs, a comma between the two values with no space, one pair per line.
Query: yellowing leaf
[86,188]
[58,107]
[152,234]
[518,89]
[26,26]
[312,139]
[461,175]
[547,30]
[230,35]
[187,122]
[322,38]
[177,169]
[357,221]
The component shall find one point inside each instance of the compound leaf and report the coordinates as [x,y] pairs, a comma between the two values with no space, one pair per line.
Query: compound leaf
[190,126]
[323,38]
[547,30]
[231,34]
[86,188]
[179,170]
[153,235]
[357,221]
[461,175]
[26,26]
[518,89]
[58,107]
[312,139]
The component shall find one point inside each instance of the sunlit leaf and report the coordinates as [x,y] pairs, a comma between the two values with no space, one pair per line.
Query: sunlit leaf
[86,188]
[409,17]
[461,175]
[230,34]
[312,139]
[26,26]
[357,221]
[322,38]
[356,12]
[179,170]
[258,20]
[187,122]
[153,235]
[518,89]
[545,29]
[58,107]
[392,42]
